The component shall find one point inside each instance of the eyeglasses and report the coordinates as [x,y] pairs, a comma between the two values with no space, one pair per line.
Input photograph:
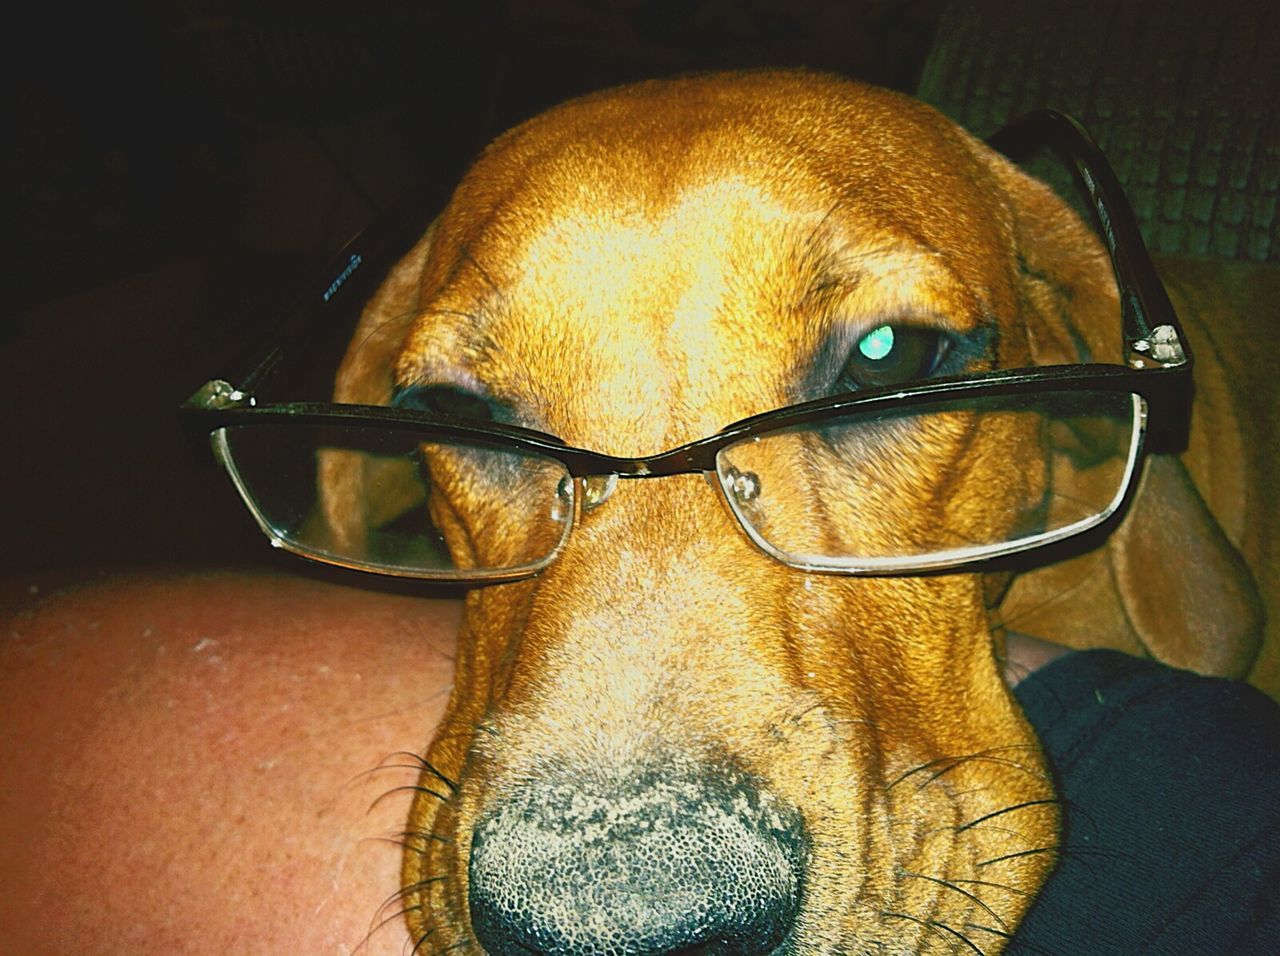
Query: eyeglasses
[825,486]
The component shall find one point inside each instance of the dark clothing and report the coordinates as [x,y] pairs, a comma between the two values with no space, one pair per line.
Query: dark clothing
[1171,790]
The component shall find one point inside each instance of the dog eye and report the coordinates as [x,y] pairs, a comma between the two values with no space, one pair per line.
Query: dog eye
[444,400]
[893,354]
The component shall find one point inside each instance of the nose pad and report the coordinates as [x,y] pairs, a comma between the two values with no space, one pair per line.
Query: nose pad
[743,485]
[596,490]
[647,866]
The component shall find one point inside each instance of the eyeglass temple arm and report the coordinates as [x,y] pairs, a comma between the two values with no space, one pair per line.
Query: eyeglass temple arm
[364,259]
[343,283]
[1151,325]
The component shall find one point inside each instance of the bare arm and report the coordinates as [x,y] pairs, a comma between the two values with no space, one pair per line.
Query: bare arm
[185,763]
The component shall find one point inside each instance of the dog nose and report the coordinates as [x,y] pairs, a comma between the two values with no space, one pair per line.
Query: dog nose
[653,865]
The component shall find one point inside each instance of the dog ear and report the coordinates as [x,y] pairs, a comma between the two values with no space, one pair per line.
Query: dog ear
[359,492]
[1167,583]
[1186,589]
[1064,278]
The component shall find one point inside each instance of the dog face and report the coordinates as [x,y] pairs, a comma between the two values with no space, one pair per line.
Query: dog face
[666,741]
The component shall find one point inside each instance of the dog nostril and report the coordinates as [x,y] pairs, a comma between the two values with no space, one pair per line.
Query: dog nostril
[652,867]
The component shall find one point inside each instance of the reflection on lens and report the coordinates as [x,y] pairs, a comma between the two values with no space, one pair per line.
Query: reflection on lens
[743,485]
[390,500]
[934,485]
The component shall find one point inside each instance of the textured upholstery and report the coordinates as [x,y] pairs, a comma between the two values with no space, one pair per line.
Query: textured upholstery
[1184,98]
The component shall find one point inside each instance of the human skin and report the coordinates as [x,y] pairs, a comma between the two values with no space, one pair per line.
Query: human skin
[186,763]
[189,763]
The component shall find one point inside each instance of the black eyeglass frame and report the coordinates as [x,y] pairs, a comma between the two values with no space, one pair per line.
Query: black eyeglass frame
[1159,369]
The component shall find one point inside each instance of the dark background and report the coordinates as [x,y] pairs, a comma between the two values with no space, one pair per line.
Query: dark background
[178,170]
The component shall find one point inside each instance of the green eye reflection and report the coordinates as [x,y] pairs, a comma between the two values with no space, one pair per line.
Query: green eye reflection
[892,355]
[877,343]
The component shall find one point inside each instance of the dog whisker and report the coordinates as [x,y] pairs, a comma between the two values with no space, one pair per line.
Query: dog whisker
[420,765]
[392,766]
[948,761]
[944,765]
[1023,946]
[836,278]
[1077,815]
[1019,854]
[1011,809]
[998,886]
[969,793]
[962,891]
[405,841]
[404,845]
[1008,832]
[852,253]
[421,835]
[443,780]
[938,928]
[1092,854]
[402,894]
[412,788]
[398,897]
[421,939]
[428,767]
[989,756]
[804,711]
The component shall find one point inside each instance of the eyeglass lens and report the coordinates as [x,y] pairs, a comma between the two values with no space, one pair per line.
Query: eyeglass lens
[382,499]
[911,486]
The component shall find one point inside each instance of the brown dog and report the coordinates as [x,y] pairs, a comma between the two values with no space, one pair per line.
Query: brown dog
[667,742]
